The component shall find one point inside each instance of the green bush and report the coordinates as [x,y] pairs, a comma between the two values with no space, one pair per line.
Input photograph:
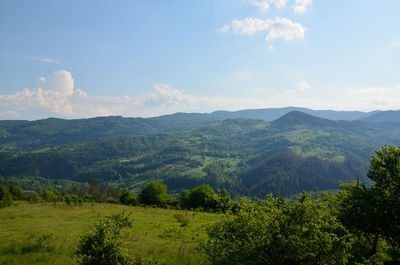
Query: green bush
[274,232]
[102,244]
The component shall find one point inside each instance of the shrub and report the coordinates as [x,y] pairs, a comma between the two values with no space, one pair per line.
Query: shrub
[102,244]
[273,232]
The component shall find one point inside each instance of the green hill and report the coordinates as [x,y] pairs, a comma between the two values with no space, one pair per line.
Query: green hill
[28,135]
[247,157]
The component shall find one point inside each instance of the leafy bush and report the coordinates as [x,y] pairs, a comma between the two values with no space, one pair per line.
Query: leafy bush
[102,244]
[274,232]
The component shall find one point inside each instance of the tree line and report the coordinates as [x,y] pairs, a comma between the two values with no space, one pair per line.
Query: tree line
[155,193]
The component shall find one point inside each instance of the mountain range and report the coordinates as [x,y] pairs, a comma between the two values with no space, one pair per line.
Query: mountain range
[250,152]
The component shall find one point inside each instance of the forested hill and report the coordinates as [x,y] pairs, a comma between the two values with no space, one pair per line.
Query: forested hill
[247,157]
[30,135]
[23,135]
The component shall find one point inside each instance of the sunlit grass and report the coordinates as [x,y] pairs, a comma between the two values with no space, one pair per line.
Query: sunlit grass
[44,234]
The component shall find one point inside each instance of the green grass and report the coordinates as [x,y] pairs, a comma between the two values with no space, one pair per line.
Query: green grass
[44,234]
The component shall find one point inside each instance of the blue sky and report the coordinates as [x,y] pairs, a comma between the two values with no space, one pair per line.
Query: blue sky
[77,59]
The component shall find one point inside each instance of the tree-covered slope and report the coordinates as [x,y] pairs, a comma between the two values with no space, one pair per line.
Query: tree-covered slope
[28,135]
[248,157]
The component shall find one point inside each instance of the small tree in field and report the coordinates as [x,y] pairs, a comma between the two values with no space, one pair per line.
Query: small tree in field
[102,245]
[155,193]
[6,198]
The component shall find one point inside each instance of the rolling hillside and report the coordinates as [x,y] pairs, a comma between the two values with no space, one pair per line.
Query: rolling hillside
[247,157]
[30,135]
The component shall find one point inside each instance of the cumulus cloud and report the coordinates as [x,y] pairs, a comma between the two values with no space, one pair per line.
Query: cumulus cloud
[46,60]
[300,6]
[264,5]
[277,28]
[286,29]
[249,26]
[56,96]
[52,96]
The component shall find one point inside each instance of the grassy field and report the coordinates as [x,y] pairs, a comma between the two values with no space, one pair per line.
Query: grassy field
[47,234]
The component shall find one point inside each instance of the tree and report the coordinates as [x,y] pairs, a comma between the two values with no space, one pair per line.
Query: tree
[127,197]
[373,212]
[94,188]
[203,196]
[155,193]
[275,232]
[6,198]
[17,193]
[184,199]
[384,169]
[102,244]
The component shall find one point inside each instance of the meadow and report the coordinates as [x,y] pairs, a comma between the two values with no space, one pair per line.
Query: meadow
[48,234]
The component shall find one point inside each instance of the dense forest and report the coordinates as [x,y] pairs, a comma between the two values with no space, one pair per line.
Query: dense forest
[249,157]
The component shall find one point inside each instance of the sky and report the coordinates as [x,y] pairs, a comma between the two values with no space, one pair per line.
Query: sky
[78,59]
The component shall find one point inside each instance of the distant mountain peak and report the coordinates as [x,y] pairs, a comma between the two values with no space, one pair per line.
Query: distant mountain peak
[300,118]
[385,116]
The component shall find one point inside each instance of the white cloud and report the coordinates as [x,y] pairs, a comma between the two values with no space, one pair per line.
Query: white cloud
[60,82]
[300,6]
[52,96]
[278,28]
[264,5]
[56,96]
[286,29]
[46,60]
[249,26]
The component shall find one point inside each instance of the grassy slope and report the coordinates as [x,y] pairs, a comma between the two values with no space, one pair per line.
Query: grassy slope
[155,232]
